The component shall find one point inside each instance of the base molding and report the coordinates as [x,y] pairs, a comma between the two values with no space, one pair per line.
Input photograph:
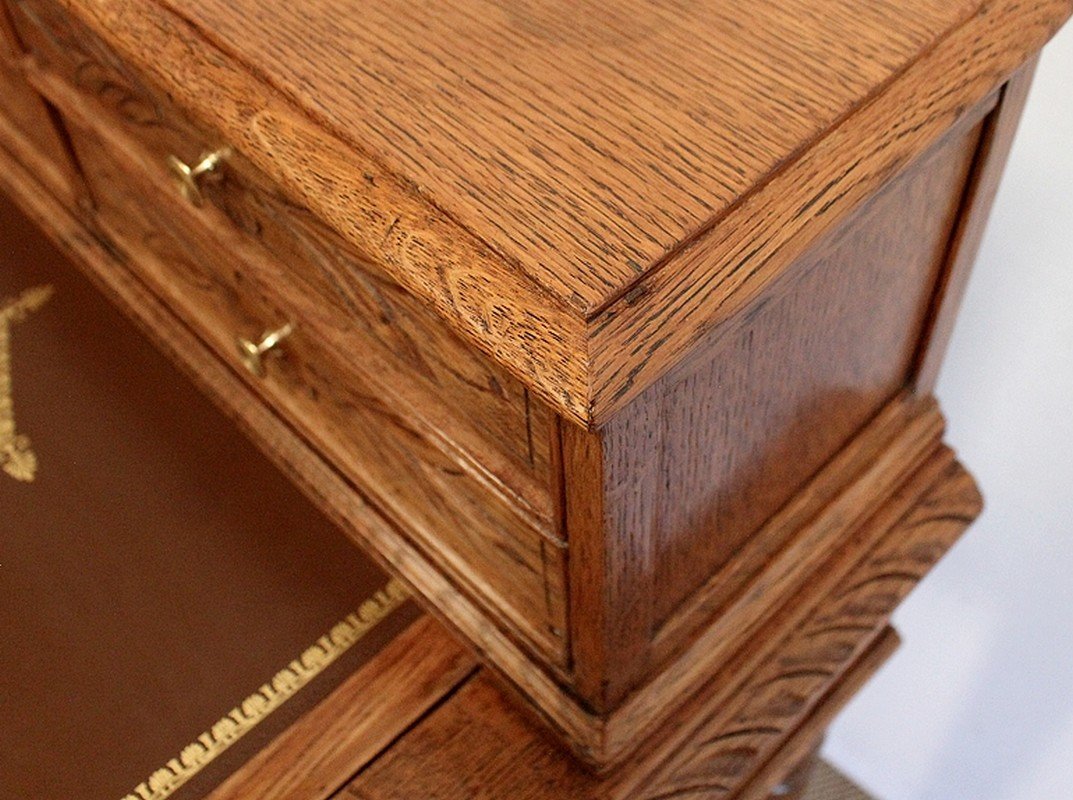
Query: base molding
[751,722]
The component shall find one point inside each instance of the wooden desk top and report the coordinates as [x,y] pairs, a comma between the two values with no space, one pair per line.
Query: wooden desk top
[582,189]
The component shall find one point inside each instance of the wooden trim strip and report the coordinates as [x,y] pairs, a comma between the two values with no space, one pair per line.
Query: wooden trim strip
[326,747]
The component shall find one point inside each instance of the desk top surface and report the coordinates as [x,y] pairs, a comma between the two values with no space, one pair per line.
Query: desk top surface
[582,140]
[585,150]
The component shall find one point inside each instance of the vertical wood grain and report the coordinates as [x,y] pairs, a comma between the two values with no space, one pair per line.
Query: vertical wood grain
[663,496]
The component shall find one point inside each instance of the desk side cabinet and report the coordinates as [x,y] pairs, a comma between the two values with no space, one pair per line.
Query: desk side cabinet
[609,332]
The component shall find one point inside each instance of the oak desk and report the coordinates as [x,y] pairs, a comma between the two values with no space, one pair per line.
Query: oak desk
[609,328]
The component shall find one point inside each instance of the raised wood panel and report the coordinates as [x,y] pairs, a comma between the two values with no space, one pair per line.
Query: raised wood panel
[693,468]
[814,359]
[476,406]
[477,536]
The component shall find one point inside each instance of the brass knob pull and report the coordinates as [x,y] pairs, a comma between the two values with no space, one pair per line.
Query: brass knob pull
[253,353]
[187,178]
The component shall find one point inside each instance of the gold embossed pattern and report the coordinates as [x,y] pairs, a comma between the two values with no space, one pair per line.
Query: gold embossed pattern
[17,457]
[241,719]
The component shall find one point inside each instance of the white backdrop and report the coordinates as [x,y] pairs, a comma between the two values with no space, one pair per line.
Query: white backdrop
[978,704]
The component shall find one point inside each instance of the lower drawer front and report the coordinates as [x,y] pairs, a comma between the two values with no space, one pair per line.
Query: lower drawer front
[467,528]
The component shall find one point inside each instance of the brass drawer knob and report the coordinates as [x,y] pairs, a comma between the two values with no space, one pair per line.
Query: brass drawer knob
[253,353]
[187,178]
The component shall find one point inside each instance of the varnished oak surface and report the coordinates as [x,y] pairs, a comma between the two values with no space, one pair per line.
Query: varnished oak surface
[582,140]
[582,192]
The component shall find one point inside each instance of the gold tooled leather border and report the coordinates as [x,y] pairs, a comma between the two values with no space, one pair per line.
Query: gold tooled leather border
[286,683]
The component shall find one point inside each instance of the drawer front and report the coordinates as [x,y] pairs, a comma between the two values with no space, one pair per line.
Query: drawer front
[470,529]
[476,407]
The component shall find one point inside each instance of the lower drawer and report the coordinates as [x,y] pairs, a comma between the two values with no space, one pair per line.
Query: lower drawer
[463,524]
[169,602]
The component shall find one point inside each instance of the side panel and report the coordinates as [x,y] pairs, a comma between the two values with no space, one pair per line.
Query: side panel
[667,504]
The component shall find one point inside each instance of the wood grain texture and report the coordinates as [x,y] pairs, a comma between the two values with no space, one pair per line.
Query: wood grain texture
[720,620]
[665,495]
[778,697]
[475,536]
[585,140]
[700,290]
[453,272]
[712,378]
[384,331]
[327,746]
[360,519]
[901,82]
[478,746]
[743,427]
[802,744]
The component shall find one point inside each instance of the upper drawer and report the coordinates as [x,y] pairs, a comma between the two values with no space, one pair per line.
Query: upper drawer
[395,340]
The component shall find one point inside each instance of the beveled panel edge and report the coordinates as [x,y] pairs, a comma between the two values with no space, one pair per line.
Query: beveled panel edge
[584,365]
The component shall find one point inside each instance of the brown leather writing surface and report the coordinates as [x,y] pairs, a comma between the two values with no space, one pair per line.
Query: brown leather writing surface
[168,601]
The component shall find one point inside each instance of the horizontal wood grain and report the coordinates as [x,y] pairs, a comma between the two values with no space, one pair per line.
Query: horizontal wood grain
[586,363]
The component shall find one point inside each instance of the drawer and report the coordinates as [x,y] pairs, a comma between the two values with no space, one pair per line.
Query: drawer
[466,525]
[473,405]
